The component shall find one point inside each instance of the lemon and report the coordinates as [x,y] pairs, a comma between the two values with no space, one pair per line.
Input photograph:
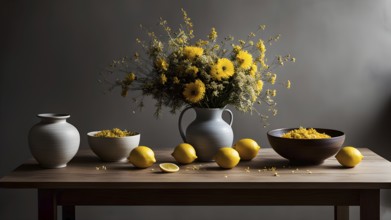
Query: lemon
[227,157]
[349,156]
[184,153]
[142,157]
[247,148]
[169,167]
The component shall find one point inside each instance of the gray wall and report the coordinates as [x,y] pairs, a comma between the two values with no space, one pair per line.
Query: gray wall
[52,51]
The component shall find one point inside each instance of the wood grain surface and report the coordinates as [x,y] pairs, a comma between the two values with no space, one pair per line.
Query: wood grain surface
[267,171]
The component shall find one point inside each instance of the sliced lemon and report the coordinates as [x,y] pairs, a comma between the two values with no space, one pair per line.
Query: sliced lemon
[169,167]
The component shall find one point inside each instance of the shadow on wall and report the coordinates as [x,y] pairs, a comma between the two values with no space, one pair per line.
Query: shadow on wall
[380,135]
[377,135]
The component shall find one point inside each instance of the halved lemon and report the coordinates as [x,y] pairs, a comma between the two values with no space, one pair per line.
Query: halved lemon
[169,167]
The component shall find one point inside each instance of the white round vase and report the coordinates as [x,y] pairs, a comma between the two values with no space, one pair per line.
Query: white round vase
[53,142]
[208,132]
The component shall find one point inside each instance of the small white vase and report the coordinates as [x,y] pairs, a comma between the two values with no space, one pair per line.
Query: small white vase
[53,142]
[208,132]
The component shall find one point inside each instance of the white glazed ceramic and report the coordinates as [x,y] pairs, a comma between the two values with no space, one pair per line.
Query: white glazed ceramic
[53,142]
[208,132]
[112,149]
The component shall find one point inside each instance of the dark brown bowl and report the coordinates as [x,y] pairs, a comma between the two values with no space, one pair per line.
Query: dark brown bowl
[306,151]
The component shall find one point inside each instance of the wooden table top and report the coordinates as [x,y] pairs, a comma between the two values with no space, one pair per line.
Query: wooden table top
[267,171]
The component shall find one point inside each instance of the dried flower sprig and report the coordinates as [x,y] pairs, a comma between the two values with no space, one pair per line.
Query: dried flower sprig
[177,70]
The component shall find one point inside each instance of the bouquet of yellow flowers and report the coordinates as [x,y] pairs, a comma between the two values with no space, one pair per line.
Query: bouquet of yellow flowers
[205,73]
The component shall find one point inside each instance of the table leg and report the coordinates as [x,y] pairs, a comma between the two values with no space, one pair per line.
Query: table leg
[370,204]
[47,204]
[68,212]
[341,212]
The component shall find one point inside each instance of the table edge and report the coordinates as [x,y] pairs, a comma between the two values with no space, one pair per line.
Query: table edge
[197,185]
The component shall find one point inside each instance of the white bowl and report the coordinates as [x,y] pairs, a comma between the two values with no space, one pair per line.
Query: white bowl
[112,149]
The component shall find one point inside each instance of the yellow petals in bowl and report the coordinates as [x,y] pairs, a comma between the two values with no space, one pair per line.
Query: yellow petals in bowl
[303,133]
[306,146]
[113,145]
[115,133]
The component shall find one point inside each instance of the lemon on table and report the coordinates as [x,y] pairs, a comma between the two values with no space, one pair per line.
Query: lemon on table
[169,167]
[349,156]
[247,148]
[184,153]
[227,157]
[142,157]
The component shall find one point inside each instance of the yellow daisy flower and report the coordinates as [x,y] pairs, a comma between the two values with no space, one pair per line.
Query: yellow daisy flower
[245,59]
[161,64]
[193,52]
[223,69]
[194,92]
[192,70]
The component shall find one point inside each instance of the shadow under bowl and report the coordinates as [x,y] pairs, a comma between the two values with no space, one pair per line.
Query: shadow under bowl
[112,149]
[306,151]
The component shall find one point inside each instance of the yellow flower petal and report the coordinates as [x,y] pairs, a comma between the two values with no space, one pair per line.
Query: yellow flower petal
[223,69]
[193,52]
[194,92]
[245,59]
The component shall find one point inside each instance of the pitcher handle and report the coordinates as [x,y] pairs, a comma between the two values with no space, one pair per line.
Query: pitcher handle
[231,116]
[181,131]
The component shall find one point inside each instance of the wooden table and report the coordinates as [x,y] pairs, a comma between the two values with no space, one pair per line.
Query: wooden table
[266,180]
